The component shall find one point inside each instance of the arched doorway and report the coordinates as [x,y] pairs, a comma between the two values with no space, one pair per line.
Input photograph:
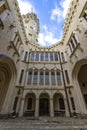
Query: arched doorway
[82,79]
[30,101]
[44,105]
[59,106]
[7,77]
[79,82]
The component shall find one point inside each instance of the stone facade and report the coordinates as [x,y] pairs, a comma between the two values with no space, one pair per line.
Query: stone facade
[38,81]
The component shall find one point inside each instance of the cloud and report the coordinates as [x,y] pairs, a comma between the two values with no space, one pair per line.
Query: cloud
[56,14]
[47,38]
[65,5]
[25,6]
[59,12]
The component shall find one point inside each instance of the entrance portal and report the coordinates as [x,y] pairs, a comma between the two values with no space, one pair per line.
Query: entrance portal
[82,79]
[44,107]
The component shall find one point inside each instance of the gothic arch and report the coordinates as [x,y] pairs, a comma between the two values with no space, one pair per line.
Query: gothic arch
[8,74]
[78,94]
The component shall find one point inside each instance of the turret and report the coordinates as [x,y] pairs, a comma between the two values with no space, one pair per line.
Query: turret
[31,23]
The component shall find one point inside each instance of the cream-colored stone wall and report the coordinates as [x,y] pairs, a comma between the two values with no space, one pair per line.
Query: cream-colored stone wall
[14,43]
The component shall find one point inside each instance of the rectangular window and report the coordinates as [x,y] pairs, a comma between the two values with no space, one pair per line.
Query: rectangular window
[58,78]
[35,77]
[55,56]
[25,57]
[51,57]
[72,103]
[70,47]
[32,56]
[46,56]
[46,78]
[42,56]
[53,81]
[21,76]
[29,81]
[29,104]
[41,78]
[37,57]
[73,46]
[67,76]
[74,38]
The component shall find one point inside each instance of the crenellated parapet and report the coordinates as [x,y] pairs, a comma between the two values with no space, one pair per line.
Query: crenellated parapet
[71,11]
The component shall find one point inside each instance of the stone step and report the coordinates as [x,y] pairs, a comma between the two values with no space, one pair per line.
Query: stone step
[48,128]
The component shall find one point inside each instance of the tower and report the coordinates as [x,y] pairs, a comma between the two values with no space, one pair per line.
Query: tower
[31,23]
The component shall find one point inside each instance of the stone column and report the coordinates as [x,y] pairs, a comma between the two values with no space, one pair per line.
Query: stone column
[51,108]
[21,108]
[38,81]
[66,108]
[37,108]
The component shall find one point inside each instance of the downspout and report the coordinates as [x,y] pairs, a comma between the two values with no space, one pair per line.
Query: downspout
[64,83]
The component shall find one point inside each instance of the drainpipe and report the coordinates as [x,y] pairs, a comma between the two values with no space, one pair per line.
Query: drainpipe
[64,83]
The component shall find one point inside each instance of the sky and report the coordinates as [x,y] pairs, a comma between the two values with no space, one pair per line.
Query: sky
[51,15]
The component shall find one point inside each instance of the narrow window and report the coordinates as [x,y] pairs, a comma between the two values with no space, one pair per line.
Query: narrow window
[37,57]
[29,81]
[56,57]
[51,56]
[67,76]
[21,76]
[29,104]
[53,81]
[75,40]
[46,56]
[70,47]
[42,56]
[72,103]
[41,78]
[35,77]
[46,78]
[32,56]
[25,57]
[58,78]
[62,56]
[73,46]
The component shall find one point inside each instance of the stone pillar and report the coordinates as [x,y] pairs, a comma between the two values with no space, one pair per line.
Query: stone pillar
[21,108]
[66,108]
[51,108]
[37,108]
